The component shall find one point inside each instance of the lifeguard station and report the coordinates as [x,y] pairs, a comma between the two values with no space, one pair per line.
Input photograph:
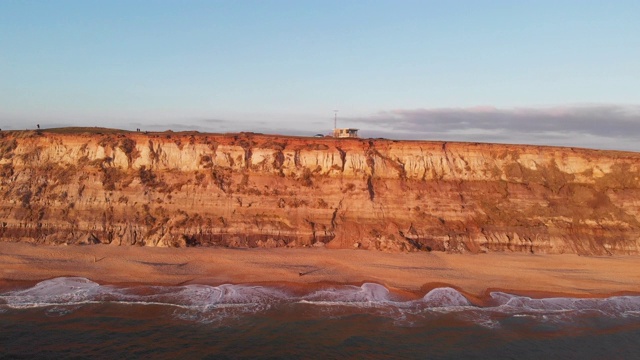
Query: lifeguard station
[343,132]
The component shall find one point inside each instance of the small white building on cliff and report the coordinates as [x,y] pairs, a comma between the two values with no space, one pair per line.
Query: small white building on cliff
[345,133]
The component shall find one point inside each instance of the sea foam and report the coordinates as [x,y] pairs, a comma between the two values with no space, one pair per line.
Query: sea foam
[207,303]
[612,306]
[75,291]
[366,295]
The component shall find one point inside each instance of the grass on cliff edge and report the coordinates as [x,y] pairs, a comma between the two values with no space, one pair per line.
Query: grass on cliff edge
[80,130]
[100,130]
[110,131]
[75,130]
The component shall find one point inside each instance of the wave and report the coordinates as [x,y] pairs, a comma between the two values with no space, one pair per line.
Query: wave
[78,291]
[204,302]
[611,305]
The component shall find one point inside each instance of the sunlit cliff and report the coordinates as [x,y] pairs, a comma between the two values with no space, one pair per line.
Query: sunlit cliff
[88,186]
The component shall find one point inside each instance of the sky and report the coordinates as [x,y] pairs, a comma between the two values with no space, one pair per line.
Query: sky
[561,72]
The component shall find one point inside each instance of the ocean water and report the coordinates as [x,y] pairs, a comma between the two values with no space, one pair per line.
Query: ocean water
[78,318]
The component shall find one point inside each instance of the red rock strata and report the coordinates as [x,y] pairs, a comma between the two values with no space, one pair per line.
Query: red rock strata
[250,190]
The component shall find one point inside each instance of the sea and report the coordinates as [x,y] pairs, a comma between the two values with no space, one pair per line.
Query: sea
[76,318]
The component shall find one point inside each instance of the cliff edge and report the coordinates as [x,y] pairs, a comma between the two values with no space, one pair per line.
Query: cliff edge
[90,186]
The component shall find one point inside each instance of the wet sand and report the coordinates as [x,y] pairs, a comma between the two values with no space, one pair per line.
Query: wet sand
[410,273]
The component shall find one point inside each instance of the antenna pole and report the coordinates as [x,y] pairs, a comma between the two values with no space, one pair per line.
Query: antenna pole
[335,119]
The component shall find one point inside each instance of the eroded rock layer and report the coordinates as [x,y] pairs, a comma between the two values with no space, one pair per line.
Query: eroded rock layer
[250,190]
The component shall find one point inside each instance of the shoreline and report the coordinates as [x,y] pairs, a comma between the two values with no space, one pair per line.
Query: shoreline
[409,275]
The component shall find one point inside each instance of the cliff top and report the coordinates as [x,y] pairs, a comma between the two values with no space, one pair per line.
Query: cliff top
[262,139]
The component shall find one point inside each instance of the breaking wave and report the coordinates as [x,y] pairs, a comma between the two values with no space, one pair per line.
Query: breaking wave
[61,296]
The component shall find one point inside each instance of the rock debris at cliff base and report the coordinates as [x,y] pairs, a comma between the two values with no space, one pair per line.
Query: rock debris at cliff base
[90,186]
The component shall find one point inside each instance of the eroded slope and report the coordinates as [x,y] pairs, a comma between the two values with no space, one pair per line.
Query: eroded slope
[249,190]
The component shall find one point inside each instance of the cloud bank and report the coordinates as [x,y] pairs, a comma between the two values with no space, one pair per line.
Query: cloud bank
[596,126]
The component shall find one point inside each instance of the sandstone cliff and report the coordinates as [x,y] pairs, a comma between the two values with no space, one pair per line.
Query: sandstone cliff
[248,190]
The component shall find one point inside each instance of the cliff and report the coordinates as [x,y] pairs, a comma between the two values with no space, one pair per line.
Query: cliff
[90,186]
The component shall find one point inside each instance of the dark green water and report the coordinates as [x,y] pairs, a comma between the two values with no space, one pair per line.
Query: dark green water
[75,318]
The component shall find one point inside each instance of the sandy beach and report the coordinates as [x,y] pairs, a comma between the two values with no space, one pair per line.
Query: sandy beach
[409,273]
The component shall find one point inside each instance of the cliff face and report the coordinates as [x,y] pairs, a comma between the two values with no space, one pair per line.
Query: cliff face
[249,190]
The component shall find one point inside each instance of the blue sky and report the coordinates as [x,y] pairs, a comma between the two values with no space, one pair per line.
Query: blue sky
[547,72]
